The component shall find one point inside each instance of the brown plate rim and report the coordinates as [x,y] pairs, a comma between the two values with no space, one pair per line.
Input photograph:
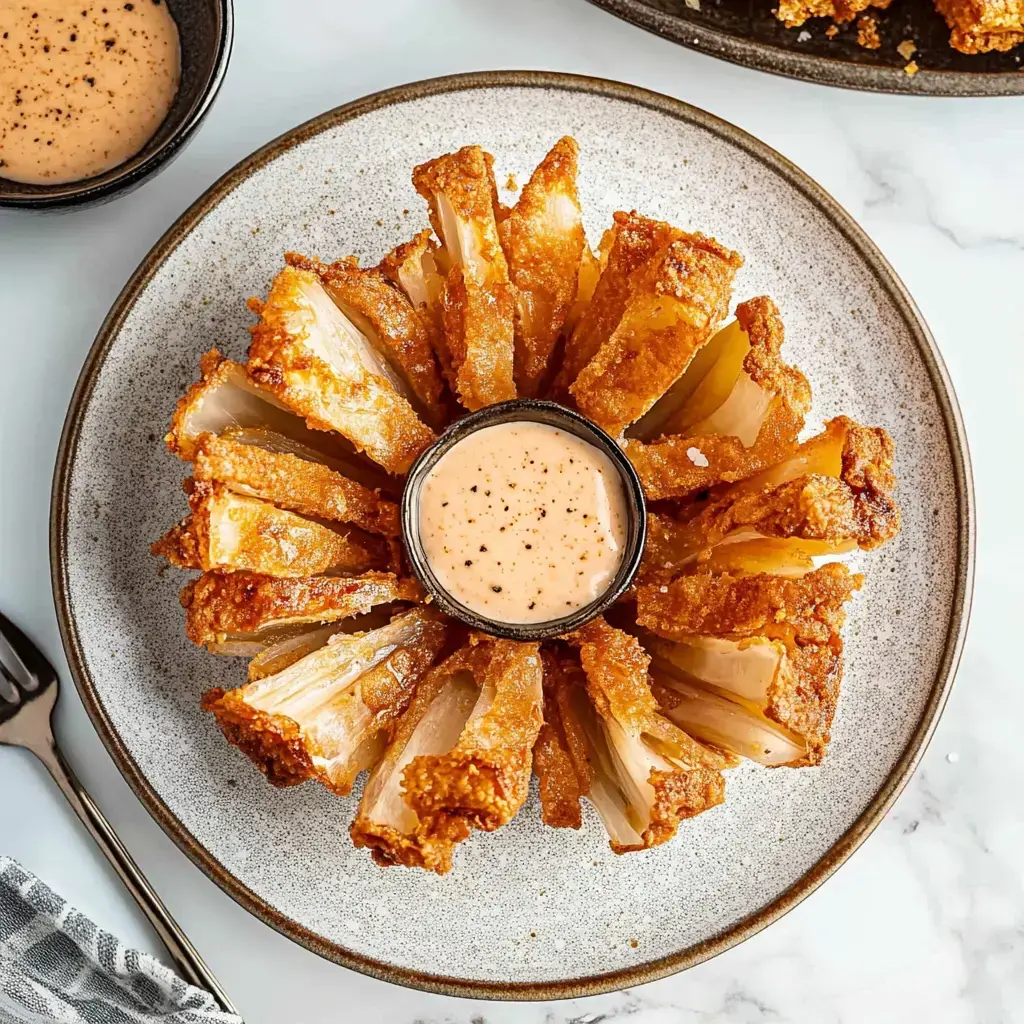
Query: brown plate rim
[751,53]
[569,987]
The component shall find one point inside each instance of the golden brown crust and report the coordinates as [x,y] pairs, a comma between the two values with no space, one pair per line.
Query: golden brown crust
[289,357]
[272,742]
[979,26]
[631,241]
[616,667]
[705,605]
[543,241]
[214,372]
[413,267]
[759,317]
[860,456]
[296,484]
[676,301]
[405,263]
[801,698]
[854,506]
[383,313]
[390,848]
[867,32]
[180,546]
[813,508]
[232,532]
[399,837]
[806,705]
[485,779]
[465,177]
[481,789]
[479,300]
[793,13]
[669,468]
[678,795]
[479,334]
[559,785]
[318,717]
[221,605]
[868,454]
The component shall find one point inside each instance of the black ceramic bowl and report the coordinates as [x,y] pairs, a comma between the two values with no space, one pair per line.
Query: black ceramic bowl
[554,415]
[205,29]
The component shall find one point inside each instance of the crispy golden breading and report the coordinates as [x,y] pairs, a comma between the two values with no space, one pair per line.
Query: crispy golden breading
[225,402]
[229,531]
[673,467]
[627,245]
[728,644]
[385,823]
[676,302]
[669,775]
[543,241]
[860,456]
[831,495]
[615,666]
[791,683]
[306,353]
[402,334]
[808,706]
[485,778]
[479,300]
[299,485]
[323,716]
[414,266]
[793,13]
[219,606]
[756,697]
[560,784]
[823,514]
[867,32]
[800,618]
[706,605]
[223,398]
[979,26]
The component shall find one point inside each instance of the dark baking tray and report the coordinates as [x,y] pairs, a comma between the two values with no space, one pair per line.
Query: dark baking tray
[746,32]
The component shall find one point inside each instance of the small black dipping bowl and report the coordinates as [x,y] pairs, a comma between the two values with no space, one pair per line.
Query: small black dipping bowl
[530,410]
[205,29]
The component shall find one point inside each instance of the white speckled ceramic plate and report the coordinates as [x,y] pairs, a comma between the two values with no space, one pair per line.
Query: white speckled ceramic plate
[529,911]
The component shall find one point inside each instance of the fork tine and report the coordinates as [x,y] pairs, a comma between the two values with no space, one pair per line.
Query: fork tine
[15,669]
[9,692]
[25,661]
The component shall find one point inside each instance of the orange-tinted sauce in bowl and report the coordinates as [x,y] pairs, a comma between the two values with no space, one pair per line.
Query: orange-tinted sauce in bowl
[83,85]
[524,520]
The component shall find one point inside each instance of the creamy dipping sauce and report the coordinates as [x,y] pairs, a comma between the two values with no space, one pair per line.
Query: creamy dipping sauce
[83,85]
[523,522]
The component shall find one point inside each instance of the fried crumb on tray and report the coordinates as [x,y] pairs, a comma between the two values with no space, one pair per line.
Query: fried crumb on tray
[867,32]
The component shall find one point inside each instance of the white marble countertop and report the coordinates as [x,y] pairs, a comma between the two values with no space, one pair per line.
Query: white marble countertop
[926,921]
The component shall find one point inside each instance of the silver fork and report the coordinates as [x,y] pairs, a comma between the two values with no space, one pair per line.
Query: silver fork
[28,693]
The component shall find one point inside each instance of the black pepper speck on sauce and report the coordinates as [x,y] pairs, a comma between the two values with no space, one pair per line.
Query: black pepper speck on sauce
[523,522]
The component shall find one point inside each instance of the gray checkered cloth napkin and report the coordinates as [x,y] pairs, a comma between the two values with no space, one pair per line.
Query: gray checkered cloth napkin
[57,967]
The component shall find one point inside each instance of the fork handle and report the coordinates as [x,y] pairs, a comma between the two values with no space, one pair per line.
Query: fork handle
[185,956]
